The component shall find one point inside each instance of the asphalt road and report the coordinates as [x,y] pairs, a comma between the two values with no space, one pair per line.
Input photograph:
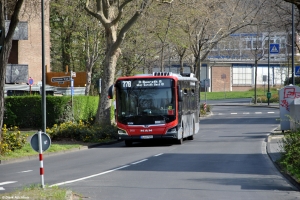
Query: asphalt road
[226,160]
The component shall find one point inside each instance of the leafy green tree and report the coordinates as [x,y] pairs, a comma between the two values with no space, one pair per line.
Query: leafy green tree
[75,38]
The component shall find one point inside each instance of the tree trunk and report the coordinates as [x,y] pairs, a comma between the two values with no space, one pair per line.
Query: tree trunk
[88,81]
[181,64]
[103,113]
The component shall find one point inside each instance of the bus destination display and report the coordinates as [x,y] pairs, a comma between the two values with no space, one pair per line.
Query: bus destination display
[145,83]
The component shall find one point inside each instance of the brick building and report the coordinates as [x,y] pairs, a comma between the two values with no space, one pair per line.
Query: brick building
[26,54]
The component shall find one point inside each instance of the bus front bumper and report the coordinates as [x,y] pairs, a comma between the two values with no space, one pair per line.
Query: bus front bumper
[147,137]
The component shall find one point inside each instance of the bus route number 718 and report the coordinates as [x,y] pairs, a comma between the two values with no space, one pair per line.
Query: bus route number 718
[126,84]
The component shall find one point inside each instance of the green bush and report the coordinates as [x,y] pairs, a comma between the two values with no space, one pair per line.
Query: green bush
[290,160]
[26,111]
[263,99]
[82,131]
[11,140]
[290,81]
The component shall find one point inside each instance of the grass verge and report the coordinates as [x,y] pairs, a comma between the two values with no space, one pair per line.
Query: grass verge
[27,150]
[37,192]
[236,94]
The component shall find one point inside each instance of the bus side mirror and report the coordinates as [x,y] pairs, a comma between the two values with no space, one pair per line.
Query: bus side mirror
[111,92]
[179,93]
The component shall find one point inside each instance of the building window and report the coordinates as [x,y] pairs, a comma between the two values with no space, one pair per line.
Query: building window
[242,75]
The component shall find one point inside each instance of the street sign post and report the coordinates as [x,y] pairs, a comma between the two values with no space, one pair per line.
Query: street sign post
[60,79]
[30,83]
[40,142]
[274,48]
[46,142]
[297,70]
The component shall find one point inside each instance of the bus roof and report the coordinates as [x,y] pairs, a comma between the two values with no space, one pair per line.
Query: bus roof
[187,76]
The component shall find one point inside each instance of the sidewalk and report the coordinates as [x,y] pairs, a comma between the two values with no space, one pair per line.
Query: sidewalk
[274,150]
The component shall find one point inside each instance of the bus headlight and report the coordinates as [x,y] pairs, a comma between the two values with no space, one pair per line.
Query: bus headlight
[122,132]
[172,130]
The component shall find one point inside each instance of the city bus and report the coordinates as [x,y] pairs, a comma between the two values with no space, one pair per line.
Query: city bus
[162,105]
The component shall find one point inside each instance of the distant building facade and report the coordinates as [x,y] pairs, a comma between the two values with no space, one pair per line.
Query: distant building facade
[25,59]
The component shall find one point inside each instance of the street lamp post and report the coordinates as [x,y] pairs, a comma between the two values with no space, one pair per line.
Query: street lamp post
[293,43]
[268,71]
[199,66]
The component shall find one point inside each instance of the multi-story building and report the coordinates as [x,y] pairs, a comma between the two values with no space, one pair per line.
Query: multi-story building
[230,66]
[25,59]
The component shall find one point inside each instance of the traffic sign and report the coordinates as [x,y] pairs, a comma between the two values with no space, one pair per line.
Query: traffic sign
[297,70]
[30,81]
[274,48]
[46,142]
[60,79]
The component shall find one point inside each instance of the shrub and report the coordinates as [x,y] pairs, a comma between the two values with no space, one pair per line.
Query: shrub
[11,140]
[290,81]
[58,110]
[290,160]
[82,131]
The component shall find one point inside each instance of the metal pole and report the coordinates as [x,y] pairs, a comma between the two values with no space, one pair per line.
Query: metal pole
[43,71]
[72,90]
[293,45]
[269,68]
[198,67]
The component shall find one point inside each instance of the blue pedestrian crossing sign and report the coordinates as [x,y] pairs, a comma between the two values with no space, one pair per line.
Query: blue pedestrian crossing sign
[297,70]
[274,48]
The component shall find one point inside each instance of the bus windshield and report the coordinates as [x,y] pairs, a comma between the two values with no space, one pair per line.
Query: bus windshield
[147,105]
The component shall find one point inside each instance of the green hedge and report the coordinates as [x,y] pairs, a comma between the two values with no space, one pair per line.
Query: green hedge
[26,111]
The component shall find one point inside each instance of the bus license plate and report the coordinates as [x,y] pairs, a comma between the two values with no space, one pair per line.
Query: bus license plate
[146,136]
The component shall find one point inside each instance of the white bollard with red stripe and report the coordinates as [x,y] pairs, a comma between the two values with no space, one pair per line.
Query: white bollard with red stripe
[40,142]
[41,158]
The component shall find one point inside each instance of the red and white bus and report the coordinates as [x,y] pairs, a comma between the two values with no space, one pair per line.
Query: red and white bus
[162,105]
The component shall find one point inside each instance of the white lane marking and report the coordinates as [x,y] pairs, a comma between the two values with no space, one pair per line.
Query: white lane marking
[5,183]
[220,114]
[246,113]
[271,112]
[233,113]
[158,155]
[258,112]
[138,162]
[25,171]
[87,177]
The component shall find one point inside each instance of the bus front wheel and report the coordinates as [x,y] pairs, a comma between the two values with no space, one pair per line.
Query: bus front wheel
[180,141]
